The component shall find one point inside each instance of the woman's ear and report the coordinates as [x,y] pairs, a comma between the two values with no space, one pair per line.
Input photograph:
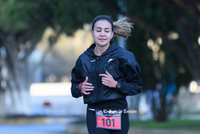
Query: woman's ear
[92,33]
[112,34]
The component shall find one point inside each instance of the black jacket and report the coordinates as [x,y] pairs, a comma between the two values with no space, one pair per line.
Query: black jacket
[120,63]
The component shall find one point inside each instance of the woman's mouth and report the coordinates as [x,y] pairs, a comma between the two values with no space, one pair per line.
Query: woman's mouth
[102,39]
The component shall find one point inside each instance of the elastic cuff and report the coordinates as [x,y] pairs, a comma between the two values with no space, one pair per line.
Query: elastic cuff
[79,86]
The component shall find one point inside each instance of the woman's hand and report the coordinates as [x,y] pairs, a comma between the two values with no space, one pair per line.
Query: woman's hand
[86,87]
[108,80]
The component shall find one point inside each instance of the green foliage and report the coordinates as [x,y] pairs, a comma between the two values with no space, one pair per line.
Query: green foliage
[158,16]
[26,16]
[177,124]
[137,43]
[19,15]
[11,16]
[24,20]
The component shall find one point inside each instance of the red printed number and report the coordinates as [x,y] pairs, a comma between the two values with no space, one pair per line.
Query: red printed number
[109,123]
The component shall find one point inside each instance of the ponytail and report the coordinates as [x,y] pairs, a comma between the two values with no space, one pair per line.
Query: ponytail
[122,28]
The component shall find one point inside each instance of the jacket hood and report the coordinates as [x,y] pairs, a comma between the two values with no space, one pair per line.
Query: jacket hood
[111,48]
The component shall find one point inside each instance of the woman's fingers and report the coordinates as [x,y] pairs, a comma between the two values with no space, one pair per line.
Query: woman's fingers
[108,80]
[86,87]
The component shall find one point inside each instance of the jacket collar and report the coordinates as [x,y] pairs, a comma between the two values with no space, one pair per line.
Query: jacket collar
[111,48]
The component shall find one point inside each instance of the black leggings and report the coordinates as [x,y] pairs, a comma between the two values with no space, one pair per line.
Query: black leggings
[91,124]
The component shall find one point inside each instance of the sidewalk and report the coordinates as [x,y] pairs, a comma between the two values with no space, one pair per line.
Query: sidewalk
[39,120]
[83,130]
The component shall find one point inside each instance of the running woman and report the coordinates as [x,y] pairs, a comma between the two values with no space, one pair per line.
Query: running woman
[104,75]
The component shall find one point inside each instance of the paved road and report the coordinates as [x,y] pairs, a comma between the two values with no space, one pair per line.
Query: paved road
[55,128]
[33,129]
[45,126]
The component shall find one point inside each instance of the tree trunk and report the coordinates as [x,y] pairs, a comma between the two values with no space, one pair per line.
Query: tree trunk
[2,103]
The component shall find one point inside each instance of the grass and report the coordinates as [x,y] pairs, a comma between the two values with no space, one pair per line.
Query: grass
[176,124]
[170,124]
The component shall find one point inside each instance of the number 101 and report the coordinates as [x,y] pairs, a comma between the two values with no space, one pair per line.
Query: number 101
[108,122]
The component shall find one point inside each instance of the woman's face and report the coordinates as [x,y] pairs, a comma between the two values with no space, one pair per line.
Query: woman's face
[102,33]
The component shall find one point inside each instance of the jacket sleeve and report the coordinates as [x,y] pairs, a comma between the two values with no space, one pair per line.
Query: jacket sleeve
[132,83]
[75,81]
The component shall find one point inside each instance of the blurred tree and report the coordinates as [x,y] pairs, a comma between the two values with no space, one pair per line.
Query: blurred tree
[164,28]
[21,27]
[165,42]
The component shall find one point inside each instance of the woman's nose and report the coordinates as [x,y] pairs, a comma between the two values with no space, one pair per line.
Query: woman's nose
[102,33]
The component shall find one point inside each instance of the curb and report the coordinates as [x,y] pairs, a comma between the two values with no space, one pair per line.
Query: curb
[76,129]
[25,120]
[21,121]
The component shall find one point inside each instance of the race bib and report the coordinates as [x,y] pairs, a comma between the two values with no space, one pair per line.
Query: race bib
[108,120]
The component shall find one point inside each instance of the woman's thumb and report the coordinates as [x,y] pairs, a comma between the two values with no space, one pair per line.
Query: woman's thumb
[86,79]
